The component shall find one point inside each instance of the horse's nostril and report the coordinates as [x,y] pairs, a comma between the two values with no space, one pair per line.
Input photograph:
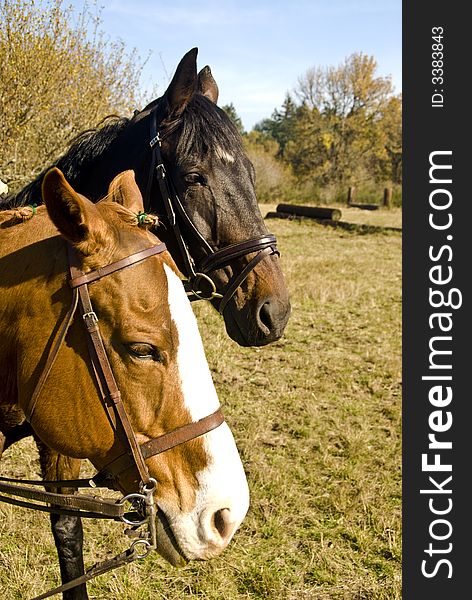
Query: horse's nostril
[223,523]
[265,316]
[272,316]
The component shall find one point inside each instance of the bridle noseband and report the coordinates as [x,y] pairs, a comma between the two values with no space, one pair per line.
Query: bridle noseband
[199,284]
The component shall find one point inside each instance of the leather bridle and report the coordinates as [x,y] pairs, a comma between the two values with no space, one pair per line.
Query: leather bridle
[134,455]
[199,284]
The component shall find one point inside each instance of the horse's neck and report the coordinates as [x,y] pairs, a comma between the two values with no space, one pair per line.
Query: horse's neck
[32,263]
[31,266]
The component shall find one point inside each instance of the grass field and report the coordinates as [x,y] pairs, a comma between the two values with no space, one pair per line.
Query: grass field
[317,419]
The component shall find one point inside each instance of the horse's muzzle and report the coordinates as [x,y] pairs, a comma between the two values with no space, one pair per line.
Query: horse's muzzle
[167,545]
[257,324]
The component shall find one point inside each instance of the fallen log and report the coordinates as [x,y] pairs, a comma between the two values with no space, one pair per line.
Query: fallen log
[365,206]
[279,215]
[315,212]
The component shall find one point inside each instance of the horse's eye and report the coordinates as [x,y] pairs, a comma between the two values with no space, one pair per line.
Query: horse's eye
[145,351]
[195,179]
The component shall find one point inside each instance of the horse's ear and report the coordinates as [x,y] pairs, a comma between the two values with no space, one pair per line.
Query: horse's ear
[183,85]
[76,218]
[207,85]
[125,191]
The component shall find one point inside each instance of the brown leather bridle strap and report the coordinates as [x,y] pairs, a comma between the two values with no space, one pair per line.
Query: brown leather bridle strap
[123,558]
[111,393]
[264,246]
[165,442]
[238,278]
[182,434]
[54,509]
[223,257]
[102,506]
[82,278]
[170,201]
[51,359]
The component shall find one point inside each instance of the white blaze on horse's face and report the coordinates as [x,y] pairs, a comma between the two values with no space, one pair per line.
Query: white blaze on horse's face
[224,156]
[222,498]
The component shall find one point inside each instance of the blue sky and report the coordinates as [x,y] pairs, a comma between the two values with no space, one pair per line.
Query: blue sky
[256,49]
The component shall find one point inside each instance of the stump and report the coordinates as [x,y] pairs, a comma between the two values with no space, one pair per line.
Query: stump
[351,192]
[387,199]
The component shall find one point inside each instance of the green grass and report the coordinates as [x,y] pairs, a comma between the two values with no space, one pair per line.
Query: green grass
[317,419]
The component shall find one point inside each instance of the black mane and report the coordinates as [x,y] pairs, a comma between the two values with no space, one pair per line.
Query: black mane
[203,126]
[83,150]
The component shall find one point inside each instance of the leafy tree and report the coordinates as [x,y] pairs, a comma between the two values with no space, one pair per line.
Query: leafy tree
[308,149]
[388,160]
[347,89]
[59,75]
[341,126]
[281,125]
[352,101]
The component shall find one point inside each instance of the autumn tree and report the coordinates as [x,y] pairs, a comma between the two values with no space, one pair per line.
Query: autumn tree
[341,126]
[387,161]
[59,75]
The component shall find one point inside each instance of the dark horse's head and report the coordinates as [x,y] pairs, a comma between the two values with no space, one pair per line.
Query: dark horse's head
[207,171]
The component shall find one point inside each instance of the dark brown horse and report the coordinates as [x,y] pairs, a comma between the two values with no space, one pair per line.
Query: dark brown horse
[155,354]
[183,147]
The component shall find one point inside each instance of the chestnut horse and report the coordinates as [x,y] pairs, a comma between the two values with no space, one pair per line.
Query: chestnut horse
[156,356]
[193,172]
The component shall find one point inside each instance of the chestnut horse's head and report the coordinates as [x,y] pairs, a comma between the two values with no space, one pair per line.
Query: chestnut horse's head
[157,357]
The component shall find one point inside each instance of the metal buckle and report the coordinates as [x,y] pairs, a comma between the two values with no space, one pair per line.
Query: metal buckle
[160,171]
[90,319]
[155,140]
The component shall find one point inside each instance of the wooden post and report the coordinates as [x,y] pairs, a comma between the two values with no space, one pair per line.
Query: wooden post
[387,200]
[351,192]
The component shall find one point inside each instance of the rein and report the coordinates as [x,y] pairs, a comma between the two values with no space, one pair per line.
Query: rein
[198,275]
[134,456]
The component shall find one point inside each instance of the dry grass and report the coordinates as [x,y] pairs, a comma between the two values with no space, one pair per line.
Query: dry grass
[317,419]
